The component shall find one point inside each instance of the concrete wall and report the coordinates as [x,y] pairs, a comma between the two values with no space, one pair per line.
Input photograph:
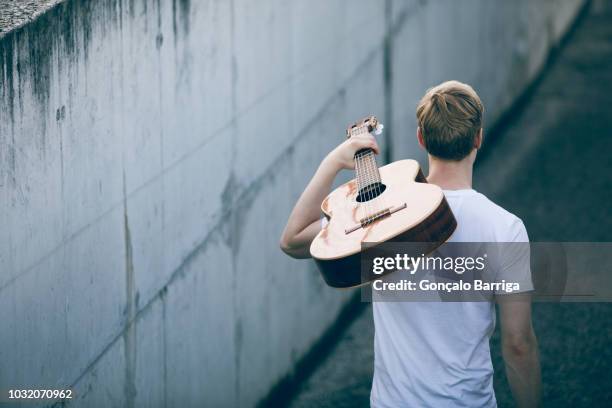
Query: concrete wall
[150,151]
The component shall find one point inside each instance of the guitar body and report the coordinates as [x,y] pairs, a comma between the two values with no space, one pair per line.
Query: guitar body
[414,211]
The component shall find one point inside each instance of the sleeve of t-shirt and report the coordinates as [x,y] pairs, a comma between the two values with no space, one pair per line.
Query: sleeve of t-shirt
[515,259]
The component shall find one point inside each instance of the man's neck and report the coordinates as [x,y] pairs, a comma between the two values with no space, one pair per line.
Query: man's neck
[451,175]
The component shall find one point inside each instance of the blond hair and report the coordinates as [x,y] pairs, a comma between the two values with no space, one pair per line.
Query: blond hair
[450,117]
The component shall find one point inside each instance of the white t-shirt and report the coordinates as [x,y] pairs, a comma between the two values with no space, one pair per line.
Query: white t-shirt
[436,354]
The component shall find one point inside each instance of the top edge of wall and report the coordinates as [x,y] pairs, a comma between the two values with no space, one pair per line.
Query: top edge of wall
[17,14]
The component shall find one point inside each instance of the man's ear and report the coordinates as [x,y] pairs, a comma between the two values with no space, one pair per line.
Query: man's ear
[478,140]
[420,137]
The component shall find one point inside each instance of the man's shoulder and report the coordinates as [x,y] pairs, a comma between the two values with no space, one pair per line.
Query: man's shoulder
[482,214]
[495,210]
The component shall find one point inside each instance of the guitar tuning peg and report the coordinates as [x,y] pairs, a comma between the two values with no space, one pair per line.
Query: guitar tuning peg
[379,129]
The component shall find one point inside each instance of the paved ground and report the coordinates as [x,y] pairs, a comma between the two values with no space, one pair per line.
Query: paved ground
[552,166]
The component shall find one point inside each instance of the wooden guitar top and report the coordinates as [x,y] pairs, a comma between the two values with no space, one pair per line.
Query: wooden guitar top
[344,212]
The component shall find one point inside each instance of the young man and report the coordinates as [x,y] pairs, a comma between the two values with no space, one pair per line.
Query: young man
[436,354]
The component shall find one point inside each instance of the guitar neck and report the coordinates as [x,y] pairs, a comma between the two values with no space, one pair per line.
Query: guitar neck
[366,168]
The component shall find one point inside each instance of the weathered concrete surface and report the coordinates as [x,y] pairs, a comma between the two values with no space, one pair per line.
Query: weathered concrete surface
[15,13]
[551,166]
[150,151]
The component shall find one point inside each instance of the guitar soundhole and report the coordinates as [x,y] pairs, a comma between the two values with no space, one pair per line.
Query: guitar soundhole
[370,192]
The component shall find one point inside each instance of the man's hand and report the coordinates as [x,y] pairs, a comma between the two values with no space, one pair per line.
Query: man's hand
[304,222]
[343,155]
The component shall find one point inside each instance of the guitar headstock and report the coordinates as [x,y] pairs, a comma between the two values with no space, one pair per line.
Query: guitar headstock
[369,124]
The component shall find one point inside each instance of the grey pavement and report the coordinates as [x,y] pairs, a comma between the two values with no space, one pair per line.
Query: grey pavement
[552,166]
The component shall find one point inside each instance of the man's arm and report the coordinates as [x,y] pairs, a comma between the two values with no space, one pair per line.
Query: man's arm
[520,349]
[304,221]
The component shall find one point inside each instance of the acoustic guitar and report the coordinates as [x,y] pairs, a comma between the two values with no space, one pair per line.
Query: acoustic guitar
[393,203]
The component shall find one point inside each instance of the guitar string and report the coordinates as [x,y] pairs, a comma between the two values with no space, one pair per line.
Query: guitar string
[368,195]
[369,157]
[372,182]
[369,182]
[371,196]
[361,184]
[382,201]
[359,171]
[361,178]
[377,182]
[365,180]
[370,176]
[366,175]
[380,198]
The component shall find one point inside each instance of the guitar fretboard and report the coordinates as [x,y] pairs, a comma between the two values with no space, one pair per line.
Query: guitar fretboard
[366,168]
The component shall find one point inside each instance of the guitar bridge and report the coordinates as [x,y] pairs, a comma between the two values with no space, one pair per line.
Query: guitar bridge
[364,222]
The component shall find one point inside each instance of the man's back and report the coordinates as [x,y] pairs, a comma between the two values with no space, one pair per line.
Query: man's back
[437,353]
